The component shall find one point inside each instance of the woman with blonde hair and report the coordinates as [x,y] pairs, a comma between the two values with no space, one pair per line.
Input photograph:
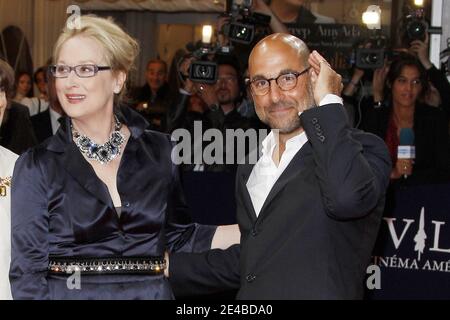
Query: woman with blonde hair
[95,207]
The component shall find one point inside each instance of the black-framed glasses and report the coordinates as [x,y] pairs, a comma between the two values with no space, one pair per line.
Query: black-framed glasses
[82,70]
[285,82]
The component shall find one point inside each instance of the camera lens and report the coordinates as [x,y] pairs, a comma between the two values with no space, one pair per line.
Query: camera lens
[203,72]
[416,30]
[371,58]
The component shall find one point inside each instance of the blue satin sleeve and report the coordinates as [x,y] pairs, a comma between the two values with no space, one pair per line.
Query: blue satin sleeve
[29,230]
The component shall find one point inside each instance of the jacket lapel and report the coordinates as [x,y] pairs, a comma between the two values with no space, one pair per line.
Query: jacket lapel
[82,172]
[76,166]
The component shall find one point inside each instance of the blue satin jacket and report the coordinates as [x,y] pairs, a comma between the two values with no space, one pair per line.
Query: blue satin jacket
[60,208]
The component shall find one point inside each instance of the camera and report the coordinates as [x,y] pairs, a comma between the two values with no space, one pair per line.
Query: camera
[370,58]
[203,71]
[372,53]
[242,27]
[416,27]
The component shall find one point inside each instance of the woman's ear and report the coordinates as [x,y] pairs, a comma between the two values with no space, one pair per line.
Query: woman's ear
[119,82]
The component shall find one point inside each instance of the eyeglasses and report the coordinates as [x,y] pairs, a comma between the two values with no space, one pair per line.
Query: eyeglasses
[82,70]
[285,82]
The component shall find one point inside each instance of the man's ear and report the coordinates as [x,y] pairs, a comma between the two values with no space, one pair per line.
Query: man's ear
[119,81]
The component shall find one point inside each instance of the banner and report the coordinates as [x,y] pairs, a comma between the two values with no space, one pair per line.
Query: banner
[336,42]
[413,246]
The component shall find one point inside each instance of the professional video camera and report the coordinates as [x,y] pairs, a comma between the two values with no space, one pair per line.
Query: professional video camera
[372,53]
[204,69]
[241,29]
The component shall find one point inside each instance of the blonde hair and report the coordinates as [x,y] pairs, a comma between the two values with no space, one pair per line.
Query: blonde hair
[120,48]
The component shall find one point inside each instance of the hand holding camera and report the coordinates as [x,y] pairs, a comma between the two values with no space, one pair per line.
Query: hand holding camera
[420,49]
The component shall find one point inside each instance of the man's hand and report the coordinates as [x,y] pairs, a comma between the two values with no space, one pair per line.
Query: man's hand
[207,93]
[324,79]
[261,7]
[222,38]
[276,24]
[184,66]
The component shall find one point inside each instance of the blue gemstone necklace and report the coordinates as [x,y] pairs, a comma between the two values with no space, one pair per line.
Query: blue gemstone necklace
[103,153]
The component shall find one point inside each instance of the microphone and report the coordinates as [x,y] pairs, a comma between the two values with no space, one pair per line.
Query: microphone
[406,148]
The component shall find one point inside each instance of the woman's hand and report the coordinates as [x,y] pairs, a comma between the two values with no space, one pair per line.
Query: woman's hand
[378,82]
[420,49]
[403,168]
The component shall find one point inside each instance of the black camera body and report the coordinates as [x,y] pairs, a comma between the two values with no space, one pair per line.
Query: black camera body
[416,27]
[203,71]
[370,58]
[372,54]
[243,23]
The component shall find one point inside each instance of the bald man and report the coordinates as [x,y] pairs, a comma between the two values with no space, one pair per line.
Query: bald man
[310,208]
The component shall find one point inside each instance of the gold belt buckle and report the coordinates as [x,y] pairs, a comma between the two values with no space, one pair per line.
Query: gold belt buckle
[4,182]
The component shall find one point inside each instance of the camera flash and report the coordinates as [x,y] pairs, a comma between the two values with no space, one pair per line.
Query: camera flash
[206,34]
[371,17]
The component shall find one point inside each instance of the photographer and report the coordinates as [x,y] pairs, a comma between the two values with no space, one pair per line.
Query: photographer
[221,98]
[438,80]
[258,16]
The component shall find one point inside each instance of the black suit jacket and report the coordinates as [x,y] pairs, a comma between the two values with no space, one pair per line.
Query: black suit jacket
[16,131]
[316,230]
[42,125]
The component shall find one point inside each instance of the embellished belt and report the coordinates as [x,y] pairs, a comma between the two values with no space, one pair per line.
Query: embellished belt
[97,266]
[4,183]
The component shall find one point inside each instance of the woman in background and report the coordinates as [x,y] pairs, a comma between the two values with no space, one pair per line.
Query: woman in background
[406,85]
[24,87]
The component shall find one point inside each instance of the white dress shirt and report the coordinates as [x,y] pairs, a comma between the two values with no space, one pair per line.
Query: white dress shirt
[265,172]
[7,160]
[35,105]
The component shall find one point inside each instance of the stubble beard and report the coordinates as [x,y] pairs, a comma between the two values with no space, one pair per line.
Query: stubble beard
[293,123]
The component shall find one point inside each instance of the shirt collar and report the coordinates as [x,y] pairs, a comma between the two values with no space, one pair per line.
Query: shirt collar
[271,141]
[134,121]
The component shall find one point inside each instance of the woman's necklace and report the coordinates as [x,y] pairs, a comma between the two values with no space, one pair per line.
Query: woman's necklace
[103,153]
